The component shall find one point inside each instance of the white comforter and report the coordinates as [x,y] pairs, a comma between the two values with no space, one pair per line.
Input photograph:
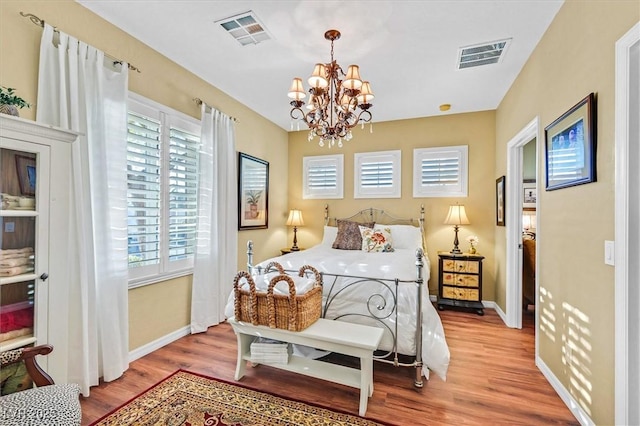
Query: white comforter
[367,298]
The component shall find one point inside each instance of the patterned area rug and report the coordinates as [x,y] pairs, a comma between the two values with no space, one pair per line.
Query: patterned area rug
[190,399]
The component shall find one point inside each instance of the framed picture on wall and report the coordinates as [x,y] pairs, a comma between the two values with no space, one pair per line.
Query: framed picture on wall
[570,147]
[530,194]
[500,201]
[253,192]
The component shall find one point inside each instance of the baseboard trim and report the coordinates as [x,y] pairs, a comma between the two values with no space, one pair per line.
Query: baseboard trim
[498,310]
[158,343]
[564,394]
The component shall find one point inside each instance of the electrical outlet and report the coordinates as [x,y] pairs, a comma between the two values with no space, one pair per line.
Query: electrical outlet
[9,227]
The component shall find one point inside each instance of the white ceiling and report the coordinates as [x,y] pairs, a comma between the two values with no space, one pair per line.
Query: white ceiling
[406,49]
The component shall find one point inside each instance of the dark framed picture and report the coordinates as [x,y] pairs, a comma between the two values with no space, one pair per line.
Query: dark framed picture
[529,194]
[500,199]
[26,168]
[570,146]
[253,192]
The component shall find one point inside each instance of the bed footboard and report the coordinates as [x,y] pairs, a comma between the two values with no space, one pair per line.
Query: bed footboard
[342,300]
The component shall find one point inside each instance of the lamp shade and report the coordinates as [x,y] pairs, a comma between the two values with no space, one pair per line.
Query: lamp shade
[295,218]
[352,79]
[457,216]
[318,77]
[366,95]
[296,91]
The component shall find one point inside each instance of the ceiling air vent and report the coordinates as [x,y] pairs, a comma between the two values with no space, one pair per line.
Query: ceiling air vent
[245,27]
[482,54]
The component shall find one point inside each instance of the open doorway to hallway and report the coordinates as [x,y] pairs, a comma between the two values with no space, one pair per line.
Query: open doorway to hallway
[529,228]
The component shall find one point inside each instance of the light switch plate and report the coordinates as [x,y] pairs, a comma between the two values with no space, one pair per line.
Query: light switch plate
[609,252]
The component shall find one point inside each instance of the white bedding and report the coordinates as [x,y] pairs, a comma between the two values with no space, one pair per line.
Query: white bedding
[360,300]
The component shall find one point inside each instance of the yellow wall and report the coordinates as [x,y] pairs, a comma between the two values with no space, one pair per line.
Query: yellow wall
[167,83]
[477,130]
[575,57]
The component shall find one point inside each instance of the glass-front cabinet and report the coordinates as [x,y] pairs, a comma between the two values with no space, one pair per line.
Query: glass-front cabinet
[24,244]
[35,170]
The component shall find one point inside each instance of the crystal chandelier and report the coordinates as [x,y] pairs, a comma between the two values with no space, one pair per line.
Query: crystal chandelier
[336,105]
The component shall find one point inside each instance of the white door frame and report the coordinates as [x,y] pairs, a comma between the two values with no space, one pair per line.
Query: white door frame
[513,219]
[627,298]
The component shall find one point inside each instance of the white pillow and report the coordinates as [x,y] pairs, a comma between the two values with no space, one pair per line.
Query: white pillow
[329,236]
[405,236]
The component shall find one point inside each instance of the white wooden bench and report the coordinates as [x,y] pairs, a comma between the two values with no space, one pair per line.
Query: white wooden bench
[334,336]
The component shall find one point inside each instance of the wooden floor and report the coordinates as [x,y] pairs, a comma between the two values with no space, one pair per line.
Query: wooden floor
[492,378]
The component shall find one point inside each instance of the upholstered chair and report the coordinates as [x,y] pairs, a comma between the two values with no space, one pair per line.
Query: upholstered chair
[46,404]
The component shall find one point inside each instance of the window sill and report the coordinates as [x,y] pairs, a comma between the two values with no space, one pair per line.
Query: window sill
[155,279]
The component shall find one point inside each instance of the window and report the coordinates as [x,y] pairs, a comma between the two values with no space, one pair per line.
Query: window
[440,172]
[377,175]
[162,195]
[323,177]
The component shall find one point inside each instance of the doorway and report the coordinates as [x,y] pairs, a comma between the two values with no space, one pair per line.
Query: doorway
[627,229]
[514,223]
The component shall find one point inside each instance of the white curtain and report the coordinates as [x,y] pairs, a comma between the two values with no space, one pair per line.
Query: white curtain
[216,257]
[76,91]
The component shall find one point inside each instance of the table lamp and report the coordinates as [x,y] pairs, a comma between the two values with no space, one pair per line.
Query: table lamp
[456,217]
[295,220]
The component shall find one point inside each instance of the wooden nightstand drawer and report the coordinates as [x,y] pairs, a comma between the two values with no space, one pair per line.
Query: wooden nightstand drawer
[468,266]
[458,293]
[460,280]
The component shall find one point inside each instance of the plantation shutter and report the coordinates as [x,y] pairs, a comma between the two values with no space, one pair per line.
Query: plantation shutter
[440,172]
[323,176]
[143,189]
[183,193]
[377,174]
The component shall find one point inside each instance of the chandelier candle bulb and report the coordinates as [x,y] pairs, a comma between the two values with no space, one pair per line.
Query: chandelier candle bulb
[338,101]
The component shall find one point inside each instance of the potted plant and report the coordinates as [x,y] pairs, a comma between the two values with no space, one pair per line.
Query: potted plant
[253,197]
[10,102]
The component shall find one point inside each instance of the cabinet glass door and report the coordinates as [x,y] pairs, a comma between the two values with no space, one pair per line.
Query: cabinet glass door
[24,169]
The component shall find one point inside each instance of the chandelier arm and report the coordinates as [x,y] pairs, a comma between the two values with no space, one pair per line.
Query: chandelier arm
[295,116]
[365,119]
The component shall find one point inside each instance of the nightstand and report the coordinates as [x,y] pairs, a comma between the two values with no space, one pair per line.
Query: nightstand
[288,250]
[460,281]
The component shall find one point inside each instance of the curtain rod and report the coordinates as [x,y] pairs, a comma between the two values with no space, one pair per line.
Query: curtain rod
[199,102]
[40,22]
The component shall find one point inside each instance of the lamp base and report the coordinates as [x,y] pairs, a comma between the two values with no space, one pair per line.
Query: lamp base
[455,249]
[295,247]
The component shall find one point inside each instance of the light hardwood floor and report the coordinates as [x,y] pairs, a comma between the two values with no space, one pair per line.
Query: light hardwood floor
[492,378]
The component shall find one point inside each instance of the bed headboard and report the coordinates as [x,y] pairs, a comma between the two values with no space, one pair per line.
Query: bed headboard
[373,214]
[380,216]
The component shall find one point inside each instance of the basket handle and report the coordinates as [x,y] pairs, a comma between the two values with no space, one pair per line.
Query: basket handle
[274,265]
[252,293]
[317,275]
[293,303]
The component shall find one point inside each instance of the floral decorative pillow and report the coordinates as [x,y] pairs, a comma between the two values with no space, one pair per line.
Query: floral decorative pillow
[377,239]
[349,236]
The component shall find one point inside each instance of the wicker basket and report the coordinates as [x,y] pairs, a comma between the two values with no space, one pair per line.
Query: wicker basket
[288,312]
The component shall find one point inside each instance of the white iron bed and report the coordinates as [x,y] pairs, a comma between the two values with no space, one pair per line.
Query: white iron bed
[386,290]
